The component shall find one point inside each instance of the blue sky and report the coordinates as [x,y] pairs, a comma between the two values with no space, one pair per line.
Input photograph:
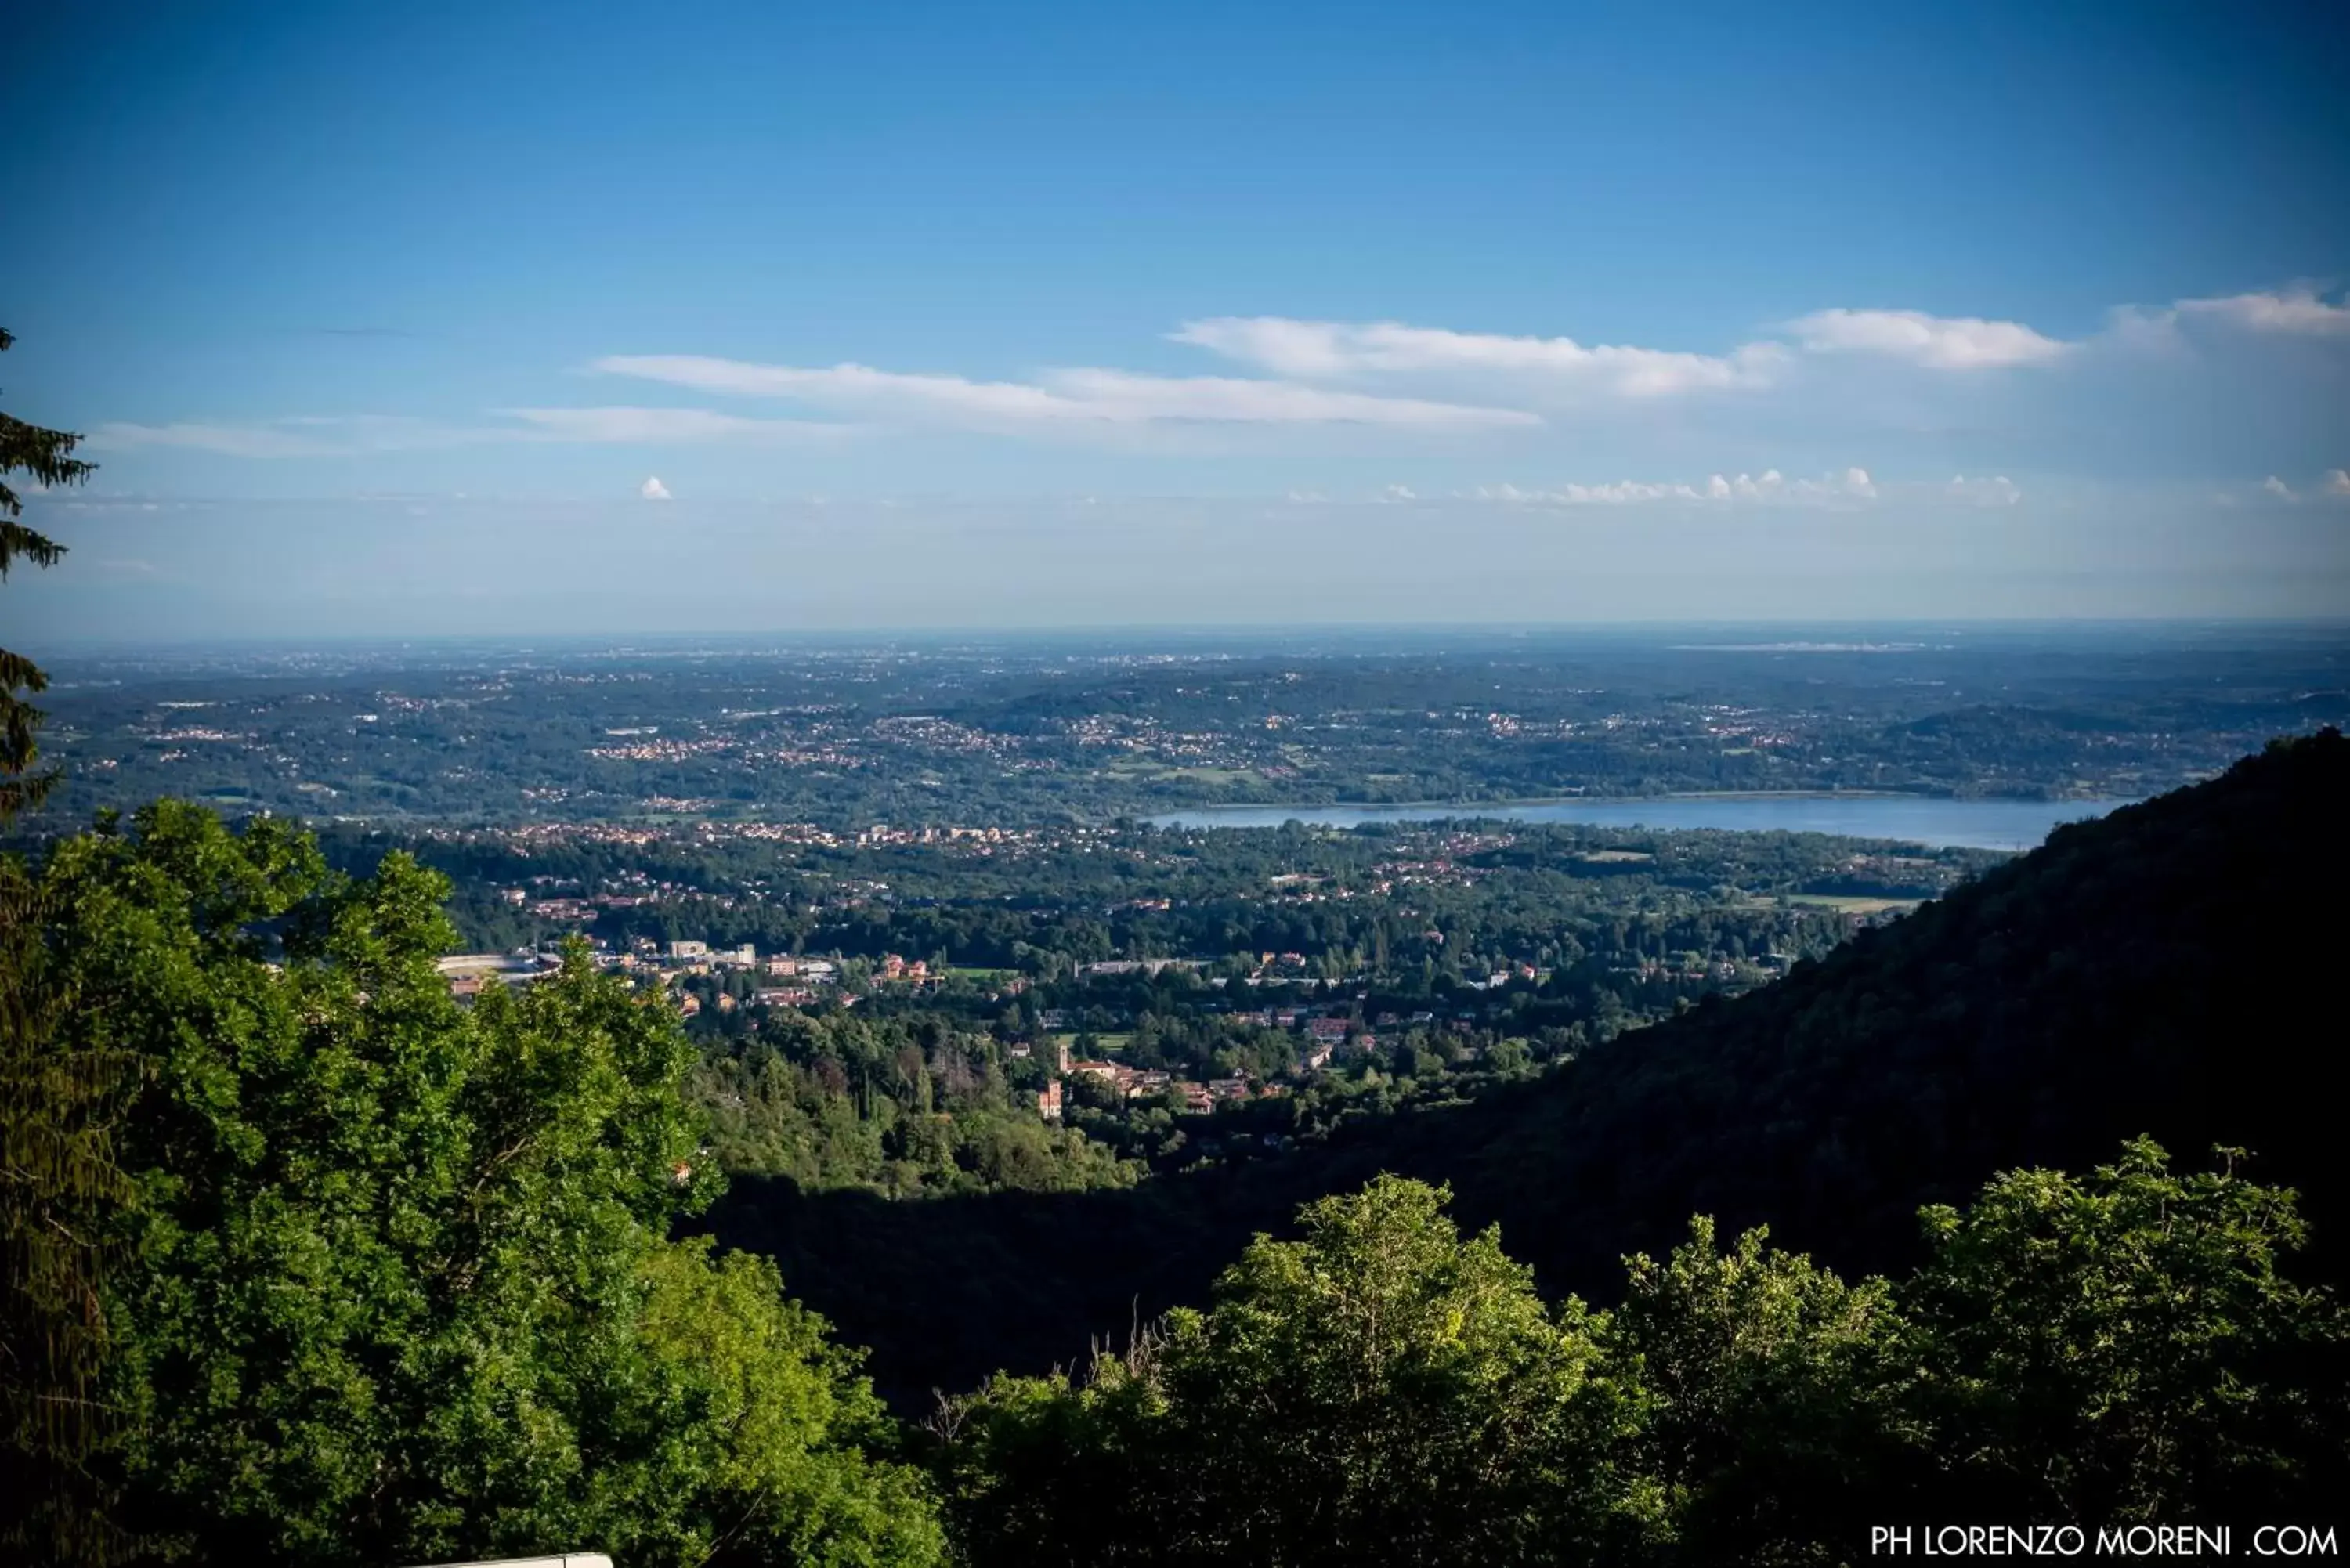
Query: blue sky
[501,317]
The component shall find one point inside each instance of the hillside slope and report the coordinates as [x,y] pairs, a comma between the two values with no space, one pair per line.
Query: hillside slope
[2171,969]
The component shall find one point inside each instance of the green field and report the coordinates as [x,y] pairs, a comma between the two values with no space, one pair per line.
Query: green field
[1113,1041]
[1851,906]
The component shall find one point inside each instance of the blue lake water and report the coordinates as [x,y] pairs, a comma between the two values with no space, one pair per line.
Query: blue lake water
[1911,819]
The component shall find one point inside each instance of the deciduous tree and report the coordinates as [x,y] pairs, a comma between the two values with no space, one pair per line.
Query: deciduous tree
[397,1284]
[2125,1346]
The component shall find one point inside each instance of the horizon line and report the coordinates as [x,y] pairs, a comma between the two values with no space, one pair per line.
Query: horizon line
[1205,630]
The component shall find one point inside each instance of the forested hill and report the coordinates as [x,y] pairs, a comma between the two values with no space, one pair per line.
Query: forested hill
[2170,968]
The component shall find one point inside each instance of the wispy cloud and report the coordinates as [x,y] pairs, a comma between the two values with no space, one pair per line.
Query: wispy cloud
[1996,491]
[1072,397]
[1936,342]
[1124,395]
[2297,312]
[228,440]
[347,435]
[626,426]
[1316,350]
[652,489]
[2276,491]
[1325,350]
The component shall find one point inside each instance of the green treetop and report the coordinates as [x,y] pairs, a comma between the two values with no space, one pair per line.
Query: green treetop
[397,1286]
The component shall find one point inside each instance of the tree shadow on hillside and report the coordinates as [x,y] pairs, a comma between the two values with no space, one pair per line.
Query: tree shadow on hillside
[944,1290]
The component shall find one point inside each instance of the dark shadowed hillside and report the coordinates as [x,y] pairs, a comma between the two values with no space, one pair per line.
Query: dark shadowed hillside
[2173,969]
[2170,968]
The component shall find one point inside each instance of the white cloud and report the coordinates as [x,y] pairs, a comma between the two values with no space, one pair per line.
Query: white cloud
[229,441]
[2275,490]
[1314,350]
[1076,397]
[1937,342]
[306,435]
[1134,397]
[2295,311]
[347,435]
[1996,491]
[386,432]
[1770,488]
[652,489]
[1853,485]
[661,426]
[1622,492]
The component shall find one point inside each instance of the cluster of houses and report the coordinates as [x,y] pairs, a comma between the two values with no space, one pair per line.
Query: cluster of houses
[792,981]
[570,911]
[804,978]
[1142,1083]
[881,832]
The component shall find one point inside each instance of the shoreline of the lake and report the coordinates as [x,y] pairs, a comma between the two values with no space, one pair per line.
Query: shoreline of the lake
[1940,821]
[1471,807]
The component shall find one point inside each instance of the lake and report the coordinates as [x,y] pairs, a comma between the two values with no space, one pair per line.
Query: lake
[1912,819]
